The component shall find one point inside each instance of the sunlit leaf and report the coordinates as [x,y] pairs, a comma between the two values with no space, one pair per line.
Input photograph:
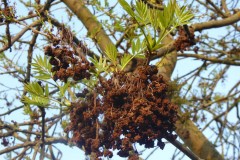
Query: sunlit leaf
[142,12]
[126,7]
[111,53]
[37,95]
[100,64]
[64,88]
[42,68]
[126,58]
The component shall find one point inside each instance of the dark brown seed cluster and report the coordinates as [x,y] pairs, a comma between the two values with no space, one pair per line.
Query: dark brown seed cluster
[134,108]
[67,63]
[185,38]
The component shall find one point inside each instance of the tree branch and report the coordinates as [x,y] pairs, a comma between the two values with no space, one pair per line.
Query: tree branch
[19,35]
[90,22]
[199,27]
[211,59]
[217,23]
[48,141]
[182,148]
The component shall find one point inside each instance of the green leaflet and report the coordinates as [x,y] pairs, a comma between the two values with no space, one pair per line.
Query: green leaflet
[154,24]
[111,52]
[183,15]
[42,68]
[126,7]
[126,58]
[165,20]
[100,64]
[142,13]
[38,95]
[63,89]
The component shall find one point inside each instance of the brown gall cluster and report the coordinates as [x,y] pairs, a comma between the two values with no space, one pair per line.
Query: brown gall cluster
[185,38]
[67,63]
[85,125]
[134,108]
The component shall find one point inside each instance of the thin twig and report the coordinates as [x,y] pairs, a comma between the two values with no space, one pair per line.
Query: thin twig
[185,150]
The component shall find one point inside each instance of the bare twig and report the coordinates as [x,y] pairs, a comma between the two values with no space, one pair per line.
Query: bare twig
[185,150]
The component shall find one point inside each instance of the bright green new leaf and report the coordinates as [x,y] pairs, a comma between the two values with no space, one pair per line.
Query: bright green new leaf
[142,13]
[36,100]
[137,48]
[100,64]
[126,7]
[34,89]
[66,102]
[112,53]
[38,96]
[126,58]
[63,89]
[46,89]
[42,68]
[138,45]
[183,16]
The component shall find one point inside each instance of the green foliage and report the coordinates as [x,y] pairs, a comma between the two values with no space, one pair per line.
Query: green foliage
[182,15]
[101,63]
[126,58]
[165,20]
[137,52]
[27,109]
[111,53]
[64,124]
[142,13]
[42,68]
[126,7]
[90,83]
[63,89]
[154,26]
[2,55]
[38,95]
[137,48]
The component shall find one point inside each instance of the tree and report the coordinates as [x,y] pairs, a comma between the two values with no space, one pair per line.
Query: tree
[99,92]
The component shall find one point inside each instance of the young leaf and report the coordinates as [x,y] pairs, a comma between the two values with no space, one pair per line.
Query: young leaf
[126,58]
[37,95]
[34,89]
[63,89]
[142,12]
[100,64]
[137,48]
[35,100]
[42,68]
[182,15]
[111,53]
[46,89]
[126,7]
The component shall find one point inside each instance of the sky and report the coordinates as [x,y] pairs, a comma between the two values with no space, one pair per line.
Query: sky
[74,153]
